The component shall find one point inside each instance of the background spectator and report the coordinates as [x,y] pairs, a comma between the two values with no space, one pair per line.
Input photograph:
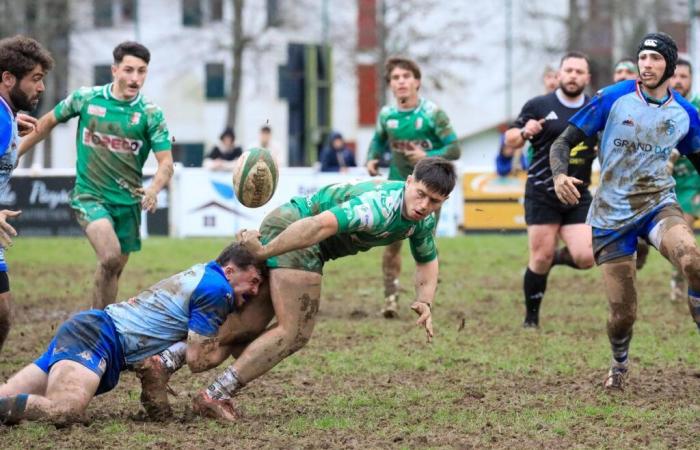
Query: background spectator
[222,156]
[337,157]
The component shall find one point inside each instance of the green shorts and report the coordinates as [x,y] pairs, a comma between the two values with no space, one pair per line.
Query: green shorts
[689,199]
[125,219]
[308,259]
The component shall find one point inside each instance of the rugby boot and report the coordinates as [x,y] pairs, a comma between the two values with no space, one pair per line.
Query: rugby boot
[205,406]
[391,307]
[616,379]
[154,388]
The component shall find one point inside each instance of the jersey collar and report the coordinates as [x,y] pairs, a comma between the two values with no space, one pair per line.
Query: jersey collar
[640,94]
[107,93]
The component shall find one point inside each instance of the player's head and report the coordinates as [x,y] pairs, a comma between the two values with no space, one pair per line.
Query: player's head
[403,76]
[130,68]
[244,273]
[428,187]
[265,135]
[550,79]
[682,79]
[23,65]
[625,69]
[574,73]
[656,59]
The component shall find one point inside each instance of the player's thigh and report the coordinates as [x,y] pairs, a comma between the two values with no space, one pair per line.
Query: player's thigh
[250,320]
[29,380]
[296,295]
[677,240]
[103,239]
[542,238]
[71,386]
[578,238]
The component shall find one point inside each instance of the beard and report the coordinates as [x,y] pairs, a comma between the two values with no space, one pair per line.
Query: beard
[571,91]
[681,90]
[21,101]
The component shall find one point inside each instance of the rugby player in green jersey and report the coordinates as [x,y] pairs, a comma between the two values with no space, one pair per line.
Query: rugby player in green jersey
[117,129]
[297,239]
[412,129]
[687,178]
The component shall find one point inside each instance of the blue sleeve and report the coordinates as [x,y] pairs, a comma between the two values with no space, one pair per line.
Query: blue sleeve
[5,130]
[504,164]
[691,141]
[209,307]
[592,118]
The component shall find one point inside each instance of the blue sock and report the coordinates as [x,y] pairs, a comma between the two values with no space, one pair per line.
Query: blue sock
[694,303]
[12,408]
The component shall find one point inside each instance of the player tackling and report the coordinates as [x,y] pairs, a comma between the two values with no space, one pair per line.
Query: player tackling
[642,122]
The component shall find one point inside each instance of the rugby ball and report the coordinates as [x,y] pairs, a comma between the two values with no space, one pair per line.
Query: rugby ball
[255,176]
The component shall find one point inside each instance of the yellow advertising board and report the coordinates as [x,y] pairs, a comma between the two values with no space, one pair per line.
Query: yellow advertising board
[492,202]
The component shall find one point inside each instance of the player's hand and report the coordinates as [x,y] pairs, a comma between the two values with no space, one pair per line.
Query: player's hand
[149,199]
[372,167]
[414,153]
[206,406]
[532,128]
[425,318]
[26,124]
[565,188]
[7,232]
[250,240]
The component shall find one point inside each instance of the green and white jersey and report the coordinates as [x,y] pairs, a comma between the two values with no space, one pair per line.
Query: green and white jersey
[684,172]
[113,141]
[369,214]
[426,125]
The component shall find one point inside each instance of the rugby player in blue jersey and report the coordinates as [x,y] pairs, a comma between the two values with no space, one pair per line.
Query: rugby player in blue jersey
[642,122]
[23,65]
[90,349]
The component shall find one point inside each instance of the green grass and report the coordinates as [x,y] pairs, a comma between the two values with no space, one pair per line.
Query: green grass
[370,383]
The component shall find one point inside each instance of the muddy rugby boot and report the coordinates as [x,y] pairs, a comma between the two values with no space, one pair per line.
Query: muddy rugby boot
[616,379]
[391,307]
[154,388]
[205,406]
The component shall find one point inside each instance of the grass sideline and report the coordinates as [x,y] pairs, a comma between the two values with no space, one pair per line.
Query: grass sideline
[368,383]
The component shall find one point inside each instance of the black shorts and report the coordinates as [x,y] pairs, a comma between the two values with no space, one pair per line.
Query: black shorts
[541,209]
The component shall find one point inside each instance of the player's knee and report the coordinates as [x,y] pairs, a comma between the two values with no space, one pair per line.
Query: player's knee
[64,413]
[584,260]
[622,318]
[541,262]
[111,263]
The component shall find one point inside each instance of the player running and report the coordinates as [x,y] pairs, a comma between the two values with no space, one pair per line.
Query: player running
[91,348]
[642,122]
[687,179]
[23,66]
[117,129]
[413,129]
[541,120]
[297,239]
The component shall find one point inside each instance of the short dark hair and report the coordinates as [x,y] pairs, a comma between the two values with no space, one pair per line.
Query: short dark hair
[575,54]
[438,174]
[20,54]
[237,254]
[684,62]
[266,129]
[402,62]
[228,131]
[131,48]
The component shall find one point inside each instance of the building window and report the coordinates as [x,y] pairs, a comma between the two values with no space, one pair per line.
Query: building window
[216,10]
[274,18]
[215,81]
[128,10]
[102,74]
[192,13]
[103,13]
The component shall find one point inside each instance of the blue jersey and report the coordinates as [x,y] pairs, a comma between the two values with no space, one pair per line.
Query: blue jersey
[634,150]
[9,140]
[198,300]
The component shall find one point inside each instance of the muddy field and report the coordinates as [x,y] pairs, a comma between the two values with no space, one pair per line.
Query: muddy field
[363,382]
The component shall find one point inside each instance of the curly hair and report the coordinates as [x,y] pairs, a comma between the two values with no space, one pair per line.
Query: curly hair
[20,54]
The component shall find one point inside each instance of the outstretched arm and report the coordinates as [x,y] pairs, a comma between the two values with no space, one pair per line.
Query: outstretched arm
[47,123]
[426,284]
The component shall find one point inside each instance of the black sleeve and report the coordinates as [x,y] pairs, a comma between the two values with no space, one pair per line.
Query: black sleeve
[561,149]
[215,153]
[695,159]
[528,112]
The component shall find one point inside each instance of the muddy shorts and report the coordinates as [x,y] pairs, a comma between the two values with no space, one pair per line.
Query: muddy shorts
[308,259]
[614,244]
[90,339]
[125,219]
[689,200]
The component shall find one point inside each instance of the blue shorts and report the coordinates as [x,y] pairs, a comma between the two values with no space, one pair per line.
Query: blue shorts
[3,264]
[614,244]
[90,339]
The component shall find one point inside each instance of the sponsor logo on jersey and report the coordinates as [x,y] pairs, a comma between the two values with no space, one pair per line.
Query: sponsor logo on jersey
[628,122]
[551,116]
[641,146]
[392,123]
[364,215]
[135,117]
[401,146]
[97,110]
[419,123]
[669,127]
[113,143]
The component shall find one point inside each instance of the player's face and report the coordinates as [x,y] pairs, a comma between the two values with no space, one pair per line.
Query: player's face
[403,84]
[419,200]
[129,76]
[574,76]
[243,282]
[651,68]
[681,80]
[26,93]
[624,73]
[550,81]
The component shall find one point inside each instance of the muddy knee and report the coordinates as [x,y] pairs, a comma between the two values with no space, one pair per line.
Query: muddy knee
[111,264]
[621,320]
[690,267]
